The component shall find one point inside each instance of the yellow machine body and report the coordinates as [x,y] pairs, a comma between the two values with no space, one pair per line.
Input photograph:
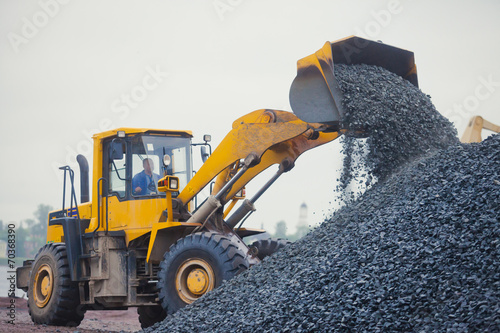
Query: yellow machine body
[141,238]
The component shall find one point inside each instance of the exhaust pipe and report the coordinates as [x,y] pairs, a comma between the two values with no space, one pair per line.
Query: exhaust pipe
[84,178]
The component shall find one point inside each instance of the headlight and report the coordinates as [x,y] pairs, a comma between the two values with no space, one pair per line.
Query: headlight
[168,183]
[174,183]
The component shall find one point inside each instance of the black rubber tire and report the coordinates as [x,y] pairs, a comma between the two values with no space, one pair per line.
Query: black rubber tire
[224,257]
[63,306]
[266,247]
[150,315]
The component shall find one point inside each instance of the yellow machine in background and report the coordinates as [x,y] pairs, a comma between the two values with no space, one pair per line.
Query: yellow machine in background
[474,128]
[143,241]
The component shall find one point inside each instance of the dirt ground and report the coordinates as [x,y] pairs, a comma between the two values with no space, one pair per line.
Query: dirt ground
[95,321]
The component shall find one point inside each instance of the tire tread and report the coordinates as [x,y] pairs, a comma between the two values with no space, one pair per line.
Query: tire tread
[67,310]
[267,247]
[232,259]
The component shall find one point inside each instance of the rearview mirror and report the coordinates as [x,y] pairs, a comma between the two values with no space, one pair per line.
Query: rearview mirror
[204,154]
[116,150]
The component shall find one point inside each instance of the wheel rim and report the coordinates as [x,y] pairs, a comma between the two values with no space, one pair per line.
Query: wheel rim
[44,284]
[194,278]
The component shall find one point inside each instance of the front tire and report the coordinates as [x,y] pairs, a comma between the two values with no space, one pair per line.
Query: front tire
[195,265]
[150,315]
[53,299]
[266,247]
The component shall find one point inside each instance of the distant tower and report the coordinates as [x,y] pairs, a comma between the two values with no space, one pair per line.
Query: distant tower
[302,227]
[303,215]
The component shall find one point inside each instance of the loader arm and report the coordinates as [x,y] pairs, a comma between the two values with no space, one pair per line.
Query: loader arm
[473,131]
[269,136]
[251,135]
[288,150]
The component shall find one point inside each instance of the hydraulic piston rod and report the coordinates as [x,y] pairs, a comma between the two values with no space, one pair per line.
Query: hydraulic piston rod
[213,203]
[248,205]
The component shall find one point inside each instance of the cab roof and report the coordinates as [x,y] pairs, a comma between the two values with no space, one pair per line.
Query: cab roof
[129,130]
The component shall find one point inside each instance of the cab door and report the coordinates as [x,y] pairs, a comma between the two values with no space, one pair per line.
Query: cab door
[127,209]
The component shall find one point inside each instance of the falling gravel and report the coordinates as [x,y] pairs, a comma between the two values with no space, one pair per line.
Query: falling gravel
[401,123]
[417,252]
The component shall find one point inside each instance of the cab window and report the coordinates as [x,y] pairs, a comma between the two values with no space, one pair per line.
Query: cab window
[147,162]
[118,175]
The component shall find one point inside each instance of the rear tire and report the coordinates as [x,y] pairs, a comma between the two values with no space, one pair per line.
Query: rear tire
[195,265]
[53,299]
[150,315]
[267,247]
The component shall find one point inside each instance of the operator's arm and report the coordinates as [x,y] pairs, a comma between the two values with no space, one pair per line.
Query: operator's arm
[136,183]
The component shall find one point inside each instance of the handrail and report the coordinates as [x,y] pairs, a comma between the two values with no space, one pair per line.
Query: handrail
[73,194]
[99,198]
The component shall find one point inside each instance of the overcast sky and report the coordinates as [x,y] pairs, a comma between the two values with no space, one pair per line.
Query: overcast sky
[66,65]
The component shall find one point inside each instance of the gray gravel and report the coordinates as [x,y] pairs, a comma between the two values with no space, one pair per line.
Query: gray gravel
[401,121]
[417,252]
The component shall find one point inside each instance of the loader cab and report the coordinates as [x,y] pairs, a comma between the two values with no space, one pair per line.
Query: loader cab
[133,163]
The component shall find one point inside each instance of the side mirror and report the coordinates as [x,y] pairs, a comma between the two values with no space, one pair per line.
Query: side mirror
[116,150]
[204,154]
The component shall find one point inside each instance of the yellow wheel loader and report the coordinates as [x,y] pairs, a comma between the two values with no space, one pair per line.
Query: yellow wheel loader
[474,128]
[142,240]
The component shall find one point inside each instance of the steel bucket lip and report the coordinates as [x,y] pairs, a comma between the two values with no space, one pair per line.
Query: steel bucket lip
[354,50]
[315,96]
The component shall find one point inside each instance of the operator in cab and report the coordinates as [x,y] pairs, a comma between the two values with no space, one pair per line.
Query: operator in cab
[144,182]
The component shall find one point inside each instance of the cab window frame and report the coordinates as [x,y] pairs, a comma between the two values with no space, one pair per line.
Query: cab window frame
[108,171]
[107,167]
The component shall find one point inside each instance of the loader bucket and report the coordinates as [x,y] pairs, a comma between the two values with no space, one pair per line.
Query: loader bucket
[315,96]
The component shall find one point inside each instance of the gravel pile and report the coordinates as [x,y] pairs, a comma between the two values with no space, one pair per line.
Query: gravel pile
[401,121]
[417,252]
